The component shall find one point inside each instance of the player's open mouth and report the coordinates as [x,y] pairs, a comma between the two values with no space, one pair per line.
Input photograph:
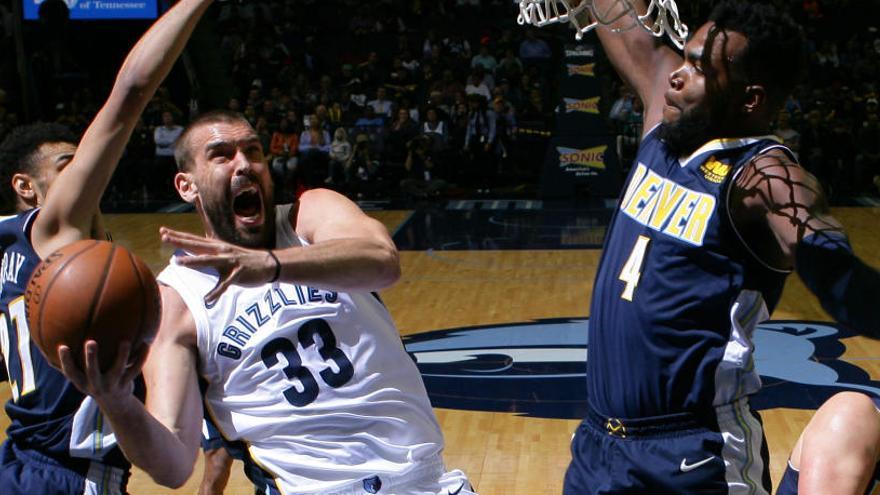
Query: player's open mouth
[247,205]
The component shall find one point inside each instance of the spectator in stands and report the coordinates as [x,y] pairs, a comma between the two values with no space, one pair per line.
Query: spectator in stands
[335,115]
[370,124]
[534,110]
[420,181]
[262,129]
[314,150]
[790,137]
[448,86]
[341,154]
[436,130]
[478,85]
[457,46]
[164,137]
[283,148]
[533,49]
[505,129]
[479,139]
[431,40]
[381,105]
[403,130]
[484,59]
[509,67]
[363,164]
[621,108]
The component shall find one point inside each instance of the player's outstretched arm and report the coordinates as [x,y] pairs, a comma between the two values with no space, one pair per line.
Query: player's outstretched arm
[787,201]
[347,251]
[642,60]
[72,203]
[161,437]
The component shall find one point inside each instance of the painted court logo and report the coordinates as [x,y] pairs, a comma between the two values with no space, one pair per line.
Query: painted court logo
[538,368]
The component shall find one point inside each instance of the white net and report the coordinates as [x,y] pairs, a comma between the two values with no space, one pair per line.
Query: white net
[660,18]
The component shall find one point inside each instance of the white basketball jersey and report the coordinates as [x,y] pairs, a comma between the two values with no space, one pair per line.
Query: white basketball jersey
[316,383]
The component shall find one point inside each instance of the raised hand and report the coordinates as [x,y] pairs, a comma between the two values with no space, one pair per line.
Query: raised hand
[235,264]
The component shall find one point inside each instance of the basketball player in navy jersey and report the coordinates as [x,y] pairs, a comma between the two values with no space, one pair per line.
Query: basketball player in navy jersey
[57,441]
[715,214]
[275,311]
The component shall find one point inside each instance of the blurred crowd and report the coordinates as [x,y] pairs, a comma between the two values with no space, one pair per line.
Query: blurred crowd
[433,98]
[415,98]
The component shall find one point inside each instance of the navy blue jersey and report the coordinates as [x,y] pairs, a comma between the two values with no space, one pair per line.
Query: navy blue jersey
[678,293]
[48,414]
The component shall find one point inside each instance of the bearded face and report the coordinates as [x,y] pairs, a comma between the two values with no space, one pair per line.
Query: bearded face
[242,213]
[231,185]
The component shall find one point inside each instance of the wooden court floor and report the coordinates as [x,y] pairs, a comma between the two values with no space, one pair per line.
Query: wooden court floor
[506,454]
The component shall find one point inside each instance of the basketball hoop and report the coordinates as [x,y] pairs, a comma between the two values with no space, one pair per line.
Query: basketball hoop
[661,17]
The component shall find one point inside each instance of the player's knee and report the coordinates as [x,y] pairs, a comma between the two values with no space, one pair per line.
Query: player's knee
[848,424]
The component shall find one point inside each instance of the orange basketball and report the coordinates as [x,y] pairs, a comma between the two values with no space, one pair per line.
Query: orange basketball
[92,290]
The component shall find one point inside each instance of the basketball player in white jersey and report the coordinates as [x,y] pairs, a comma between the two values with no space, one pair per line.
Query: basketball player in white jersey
[274,310]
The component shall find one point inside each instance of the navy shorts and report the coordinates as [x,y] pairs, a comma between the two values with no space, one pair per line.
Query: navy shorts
[681,454]
[27,472]
[789,483]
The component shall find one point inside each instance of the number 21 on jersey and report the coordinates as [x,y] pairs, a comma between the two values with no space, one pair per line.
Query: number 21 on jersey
[21,382]
[632,269]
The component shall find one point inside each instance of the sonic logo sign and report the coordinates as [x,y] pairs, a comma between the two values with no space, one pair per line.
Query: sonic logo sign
[589,105]
[587,70]
[538,368]
[582,162]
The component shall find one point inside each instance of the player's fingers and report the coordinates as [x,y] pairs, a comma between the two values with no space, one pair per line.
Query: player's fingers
[136,363]
[180,234]
[93,368]
[71,370]
[189,242]
[121,359]
[205,260]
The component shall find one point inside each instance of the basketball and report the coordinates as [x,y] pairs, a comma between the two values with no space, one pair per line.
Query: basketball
[91,290]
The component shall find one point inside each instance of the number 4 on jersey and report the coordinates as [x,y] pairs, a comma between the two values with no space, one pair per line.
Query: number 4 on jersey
[632,269]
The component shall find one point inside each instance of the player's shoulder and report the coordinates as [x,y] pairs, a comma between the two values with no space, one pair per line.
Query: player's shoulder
[16,226]
[775,168]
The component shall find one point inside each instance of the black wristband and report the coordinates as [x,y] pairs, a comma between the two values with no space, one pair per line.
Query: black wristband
[277,267]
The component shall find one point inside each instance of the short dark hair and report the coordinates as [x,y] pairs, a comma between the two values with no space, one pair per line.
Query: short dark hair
[181,152]
[775,56]
[18,150]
